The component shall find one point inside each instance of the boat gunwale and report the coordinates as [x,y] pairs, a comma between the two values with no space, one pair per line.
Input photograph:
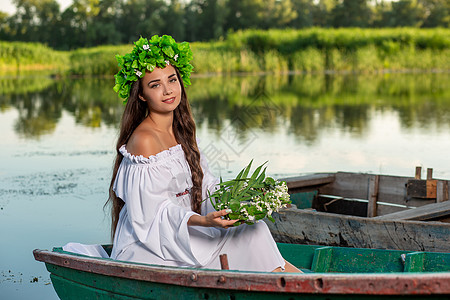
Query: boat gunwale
[295,209]
[308,283]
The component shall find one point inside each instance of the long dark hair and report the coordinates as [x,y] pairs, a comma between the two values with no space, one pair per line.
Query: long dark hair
[185,133]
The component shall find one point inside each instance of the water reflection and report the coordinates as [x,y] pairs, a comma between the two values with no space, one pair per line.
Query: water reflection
[38,114]
[305,104]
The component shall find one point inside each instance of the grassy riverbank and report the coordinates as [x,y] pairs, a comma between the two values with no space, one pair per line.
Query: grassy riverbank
[31,56]
[310,50]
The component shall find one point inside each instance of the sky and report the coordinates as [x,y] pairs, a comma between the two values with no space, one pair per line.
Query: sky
[8,7]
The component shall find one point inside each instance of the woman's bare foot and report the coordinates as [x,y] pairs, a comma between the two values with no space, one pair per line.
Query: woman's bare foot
[288,268]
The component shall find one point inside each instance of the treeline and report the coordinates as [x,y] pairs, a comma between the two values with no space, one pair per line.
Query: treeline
[87,23]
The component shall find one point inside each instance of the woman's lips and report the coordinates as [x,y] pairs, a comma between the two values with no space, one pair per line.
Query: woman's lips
[169,101]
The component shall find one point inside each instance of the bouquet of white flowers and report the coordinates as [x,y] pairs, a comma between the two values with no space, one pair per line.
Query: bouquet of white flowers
[250,198]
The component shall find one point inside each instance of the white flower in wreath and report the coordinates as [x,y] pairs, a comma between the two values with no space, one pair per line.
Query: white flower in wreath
[167,62]
[175,57]
[146,47]
[138,73]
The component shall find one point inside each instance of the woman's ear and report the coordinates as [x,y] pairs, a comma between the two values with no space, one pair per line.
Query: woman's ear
[142,98]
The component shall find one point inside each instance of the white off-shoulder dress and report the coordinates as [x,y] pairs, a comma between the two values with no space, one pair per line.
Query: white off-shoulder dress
[153,228]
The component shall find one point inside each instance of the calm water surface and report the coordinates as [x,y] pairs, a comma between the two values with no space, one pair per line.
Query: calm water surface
[58,137]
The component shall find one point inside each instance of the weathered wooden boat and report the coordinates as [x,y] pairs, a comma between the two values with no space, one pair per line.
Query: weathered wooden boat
[330,273]
[366,211]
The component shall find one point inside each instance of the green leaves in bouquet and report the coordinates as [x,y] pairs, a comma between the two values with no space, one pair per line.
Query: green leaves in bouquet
[240,189]
[250,197]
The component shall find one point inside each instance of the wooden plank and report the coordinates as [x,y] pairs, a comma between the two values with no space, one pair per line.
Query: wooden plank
[426,212]
[357,260]
[224,262]
[309,180]
[303,200]
[300,256]
[422,188]
[350,185]
[349,206]
[431,189]
[384,210]
[441,191]
[418,173]
[373,196]
[436,262]
[414,262]
[339,205]
[322,259]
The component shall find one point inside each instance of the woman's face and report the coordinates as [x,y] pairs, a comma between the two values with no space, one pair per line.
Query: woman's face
[161,90]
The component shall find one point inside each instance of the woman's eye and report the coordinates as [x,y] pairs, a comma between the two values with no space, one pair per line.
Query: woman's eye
[154,86]
[173,80]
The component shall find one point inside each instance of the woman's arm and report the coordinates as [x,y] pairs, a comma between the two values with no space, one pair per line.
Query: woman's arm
[213,219]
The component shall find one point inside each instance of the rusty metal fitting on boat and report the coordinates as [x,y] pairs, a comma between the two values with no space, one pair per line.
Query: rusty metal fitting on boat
[222,279]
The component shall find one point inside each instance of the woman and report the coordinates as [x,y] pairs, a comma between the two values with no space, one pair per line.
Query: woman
[160,177]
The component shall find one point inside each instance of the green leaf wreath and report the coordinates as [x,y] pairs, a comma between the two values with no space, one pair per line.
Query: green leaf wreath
[149,54]
[250,198]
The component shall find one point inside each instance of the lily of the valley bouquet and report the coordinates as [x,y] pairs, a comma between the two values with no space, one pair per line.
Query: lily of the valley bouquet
[250,198]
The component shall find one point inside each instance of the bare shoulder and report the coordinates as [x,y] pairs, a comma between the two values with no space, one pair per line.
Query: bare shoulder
[143,142]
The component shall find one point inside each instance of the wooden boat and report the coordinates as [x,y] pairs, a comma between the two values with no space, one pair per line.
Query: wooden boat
[366,211]
[330,273]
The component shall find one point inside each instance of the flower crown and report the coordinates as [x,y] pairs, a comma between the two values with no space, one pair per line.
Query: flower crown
[149,54]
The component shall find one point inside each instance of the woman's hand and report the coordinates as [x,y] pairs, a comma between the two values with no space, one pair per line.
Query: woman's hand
[213,219]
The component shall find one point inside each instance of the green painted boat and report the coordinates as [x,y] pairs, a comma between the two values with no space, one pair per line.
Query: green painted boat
[329,273]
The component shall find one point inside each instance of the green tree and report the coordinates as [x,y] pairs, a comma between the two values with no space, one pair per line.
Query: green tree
[24,23]
[206,19]
[305,13]
[34,20]
[76,21]
[278,14]
[141,18]
[173,16]
[243,14]
[260,14]
[49,15]
[437,13]
[352,13]
[104,27]
[322,13]
[381,14]
[406,13]
[5,30]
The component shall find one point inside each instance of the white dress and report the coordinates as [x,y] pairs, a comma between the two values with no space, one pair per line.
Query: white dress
[152,226]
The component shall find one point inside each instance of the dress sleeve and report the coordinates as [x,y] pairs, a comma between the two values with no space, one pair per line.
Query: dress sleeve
[156,220]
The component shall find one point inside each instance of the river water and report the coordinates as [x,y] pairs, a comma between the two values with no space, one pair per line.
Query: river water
[58,136]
